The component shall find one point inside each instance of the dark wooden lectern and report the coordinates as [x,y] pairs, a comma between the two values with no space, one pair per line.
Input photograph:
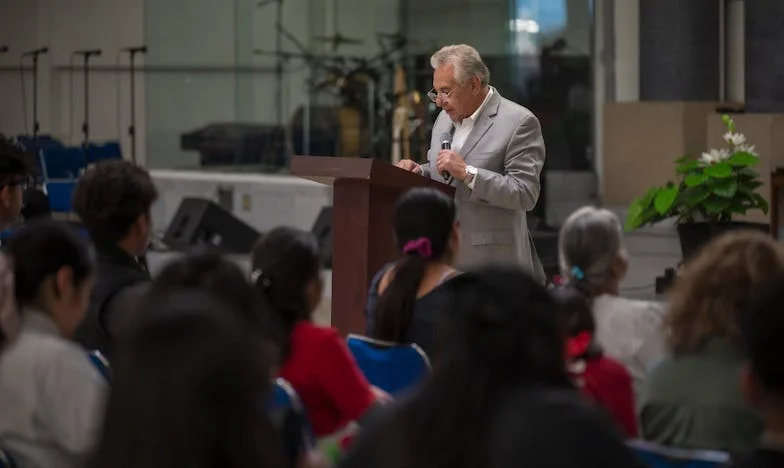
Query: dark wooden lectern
[364,193]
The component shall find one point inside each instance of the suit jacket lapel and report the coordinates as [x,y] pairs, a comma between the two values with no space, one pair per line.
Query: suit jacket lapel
[483,123]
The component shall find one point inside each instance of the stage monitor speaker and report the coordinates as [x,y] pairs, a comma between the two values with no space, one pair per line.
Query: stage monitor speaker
[200,222]
[322,229]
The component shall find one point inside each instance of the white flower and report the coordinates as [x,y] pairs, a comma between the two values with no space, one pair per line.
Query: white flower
[715,156]
[746,149]
[735,139]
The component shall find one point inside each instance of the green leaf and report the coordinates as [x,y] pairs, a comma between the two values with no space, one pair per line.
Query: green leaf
[726,188]
[716,205]
[743,158]
[693,180]
[695,197]
[665,199]
[686,166]
[721,170]
[761,203]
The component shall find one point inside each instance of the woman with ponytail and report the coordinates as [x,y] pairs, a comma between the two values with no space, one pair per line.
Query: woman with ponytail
[316,361]
[405,299]
[593,261]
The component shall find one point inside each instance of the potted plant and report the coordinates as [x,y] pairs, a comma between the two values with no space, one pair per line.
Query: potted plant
[707,193]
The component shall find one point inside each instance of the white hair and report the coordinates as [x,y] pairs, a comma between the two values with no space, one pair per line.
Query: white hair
[590,241]
[466,61]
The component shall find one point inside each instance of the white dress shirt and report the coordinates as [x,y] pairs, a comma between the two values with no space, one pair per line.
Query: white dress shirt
[51,397]
[463,129]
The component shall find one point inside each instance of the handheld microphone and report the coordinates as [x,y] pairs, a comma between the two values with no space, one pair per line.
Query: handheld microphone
[135,50]
[40,51]
[446,143]
[88,53]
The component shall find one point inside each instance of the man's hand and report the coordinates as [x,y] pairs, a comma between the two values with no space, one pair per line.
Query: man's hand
[409,165]
[452,163]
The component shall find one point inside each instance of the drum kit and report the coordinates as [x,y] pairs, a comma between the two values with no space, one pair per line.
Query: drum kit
[377,113]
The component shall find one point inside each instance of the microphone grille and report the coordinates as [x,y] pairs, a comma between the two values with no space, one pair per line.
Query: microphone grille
[446,137]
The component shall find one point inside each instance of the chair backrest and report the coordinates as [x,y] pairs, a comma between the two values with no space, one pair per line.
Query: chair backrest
[105,152]
[392,367]
[290,418]
[6,461]
[60,194]
[100,362]
[62,163]
[658,456]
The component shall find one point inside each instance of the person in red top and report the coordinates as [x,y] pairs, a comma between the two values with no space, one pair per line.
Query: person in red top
[599,377]
[316,361]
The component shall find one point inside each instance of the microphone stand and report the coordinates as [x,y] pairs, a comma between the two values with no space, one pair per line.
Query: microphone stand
[132,51]
[279,64]
[34,54]
[86,54]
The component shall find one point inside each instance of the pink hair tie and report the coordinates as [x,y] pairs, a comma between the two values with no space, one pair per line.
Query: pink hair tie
[421,247]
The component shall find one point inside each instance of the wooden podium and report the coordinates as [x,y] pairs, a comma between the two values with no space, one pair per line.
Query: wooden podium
[364,193]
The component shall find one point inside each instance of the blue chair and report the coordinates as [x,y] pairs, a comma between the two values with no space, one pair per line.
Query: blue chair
[288,415]
[100,362]
[60,193]
[62,163]
[392,367]
[35,144]
[6,461]
[105,152]
[658,456]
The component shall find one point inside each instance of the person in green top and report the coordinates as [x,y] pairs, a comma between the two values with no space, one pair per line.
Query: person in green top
[693,399]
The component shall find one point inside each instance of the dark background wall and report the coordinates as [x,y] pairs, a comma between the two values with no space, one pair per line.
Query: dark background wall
[764,55]
[679,50]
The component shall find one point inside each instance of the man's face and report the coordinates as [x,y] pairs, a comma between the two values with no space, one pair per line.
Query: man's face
[458,101]
[11,197]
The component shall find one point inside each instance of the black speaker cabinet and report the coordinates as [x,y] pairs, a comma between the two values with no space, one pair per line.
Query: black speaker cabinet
[200,222]
[322,229]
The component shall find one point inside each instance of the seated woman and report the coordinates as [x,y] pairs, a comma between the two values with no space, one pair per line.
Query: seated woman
[51,396]
[499,395]
[694,399]
[601,378]
[593,260]
[316,361]
[405,299]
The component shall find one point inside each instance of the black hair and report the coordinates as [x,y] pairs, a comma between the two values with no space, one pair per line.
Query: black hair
[421,213]
[762,325]
[284,261]
[41,248]
[575,310]
[110,197]
[12,162]
[501,336]
[189,383]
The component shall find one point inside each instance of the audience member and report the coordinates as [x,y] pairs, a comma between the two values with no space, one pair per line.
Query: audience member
[113,200]
[188,382]
[601,378]
[498,384]
[9,317]
[762,377]
[51,395]
[694,400]
[14,175]
[411,300]
[316,361]
[594,261]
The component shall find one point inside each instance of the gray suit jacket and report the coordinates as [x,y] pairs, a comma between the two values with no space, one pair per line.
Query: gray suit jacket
[507,148]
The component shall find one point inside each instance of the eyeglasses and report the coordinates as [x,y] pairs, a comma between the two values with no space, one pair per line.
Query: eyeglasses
[23,182]
[434,95]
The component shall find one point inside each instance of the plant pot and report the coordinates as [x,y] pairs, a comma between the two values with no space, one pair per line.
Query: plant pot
[694,236]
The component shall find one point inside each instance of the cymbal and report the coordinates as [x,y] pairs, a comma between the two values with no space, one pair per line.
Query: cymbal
[338,39]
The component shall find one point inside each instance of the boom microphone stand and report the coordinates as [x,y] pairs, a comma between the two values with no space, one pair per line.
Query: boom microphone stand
[132,51]
[86,54]
[34,54]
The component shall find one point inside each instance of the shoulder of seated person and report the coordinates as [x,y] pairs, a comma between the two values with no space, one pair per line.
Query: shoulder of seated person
[627,303]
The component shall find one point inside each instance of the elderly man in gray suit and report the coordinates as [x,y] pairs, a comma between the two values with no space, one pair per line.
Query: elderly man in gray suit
[496,157]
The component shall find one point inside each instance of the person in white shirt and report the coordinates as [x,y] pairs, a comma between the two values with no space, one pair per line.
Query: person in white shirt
[51,396]
[593,260]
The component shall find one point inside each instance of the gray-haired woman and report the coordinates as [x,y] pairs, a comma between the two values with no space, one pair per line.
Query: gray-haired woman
[593,261]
